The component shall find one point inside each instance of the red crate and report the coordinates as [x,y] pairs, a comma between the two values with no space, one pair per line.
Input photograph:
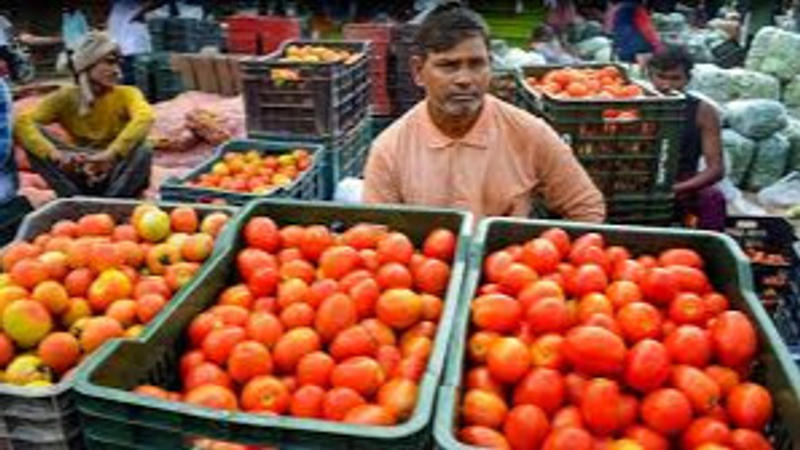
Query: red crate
[378,33]
[245,31]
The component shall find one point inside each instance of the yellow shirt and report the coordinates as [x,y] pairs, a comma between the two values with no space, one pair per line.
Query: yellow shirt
[118,121]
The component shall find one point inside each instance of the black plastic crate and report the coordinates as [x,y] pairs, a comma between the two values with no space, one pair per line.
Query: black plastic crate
[345,154]
[622,155]
[11,215]
[182,34]
[325,99]
[309,185]
[729,54]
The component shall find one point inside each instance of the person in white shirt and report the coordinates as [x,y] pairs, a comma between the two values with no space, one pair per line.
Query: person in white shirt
[130,33]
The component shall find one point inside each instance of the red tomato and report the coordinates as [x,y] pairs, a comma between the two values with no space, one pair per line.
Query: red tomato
[734,339]
[750,406]
[526,427]
[647,366]
[667,411]
[599,406]
[542,387]
[594,350]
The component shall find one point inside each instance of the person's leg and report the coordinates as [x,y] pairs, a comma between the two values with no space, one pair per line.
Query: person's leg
[63,184]
[711,210]
[131,176]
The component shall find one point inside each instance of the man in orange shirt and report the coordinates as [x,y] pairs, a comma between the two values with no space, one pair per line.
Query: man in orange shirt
[463,148]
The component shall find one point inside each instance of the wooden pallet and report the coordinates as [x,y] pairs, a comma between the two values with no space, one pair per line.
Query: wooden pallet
[209,72]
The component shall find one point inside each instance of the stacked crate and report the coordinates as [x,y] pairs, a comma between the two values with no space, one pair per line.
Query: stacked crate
[154,76]
[182,34]
[404,92]
[317,102]
[260,35]
[380,35]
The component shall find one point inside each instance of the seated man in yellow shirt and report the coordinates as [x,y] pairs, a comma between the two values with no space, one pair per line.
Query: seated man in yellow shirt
[107,122]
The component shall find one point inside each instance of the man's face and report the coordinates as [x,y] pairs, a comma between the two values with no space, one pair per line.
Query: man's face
[106,72]
[667,81]
[455,80]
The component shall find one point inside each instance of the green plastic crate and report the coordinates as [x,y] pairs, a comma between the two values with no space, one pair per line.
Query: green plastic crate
[113,417]
[308,186]
[47,418]
[345,154]
[622,156]
[728,271]
[12,213]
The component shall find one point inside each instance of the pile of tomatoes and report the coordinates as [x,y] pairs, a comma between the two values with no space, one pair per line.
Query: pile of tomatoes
[598,84]
[319,325]
[577,345]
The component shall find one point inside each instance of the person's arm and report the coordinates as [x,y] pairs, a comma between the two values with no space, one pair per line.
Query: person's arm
[645,26]
[150,6]
[381,180]
[708,121]
[141,120]
[26,127]
[567,188]
[8,168]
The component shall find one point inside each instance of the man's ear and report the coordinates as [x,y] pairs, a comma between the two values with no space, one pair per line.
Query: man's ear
[416,62]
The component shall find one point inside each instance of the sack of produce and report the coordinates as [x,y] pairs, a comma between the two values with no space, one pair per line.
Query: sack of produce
[769,164]
[589,48]
[782,56]
[792,134]
[756,119]
[749,84]
[712,81]
[739,152]
[759,47]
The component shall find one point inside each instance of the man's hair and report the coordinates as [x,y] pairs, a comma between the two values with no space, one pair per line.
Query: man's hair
[447,26]
[672,57]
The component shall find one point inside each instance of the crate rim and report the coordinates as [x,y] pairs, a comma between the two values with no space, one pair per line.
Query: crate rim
[416,422]
[444,436]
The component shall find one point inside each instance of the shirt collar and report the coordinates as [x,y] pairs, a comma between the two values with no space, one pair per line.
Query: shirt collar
[477,136]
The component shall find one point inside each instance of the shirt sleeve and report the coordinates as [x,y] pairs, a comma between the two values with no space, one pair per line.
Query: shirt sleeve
[381,180]
[141,120]
[564,184]
[26,129]
[8,168]
[645,26]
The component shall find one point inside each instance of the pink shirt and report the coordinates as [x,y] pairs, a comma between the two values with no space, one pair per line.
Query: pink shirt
[496,169]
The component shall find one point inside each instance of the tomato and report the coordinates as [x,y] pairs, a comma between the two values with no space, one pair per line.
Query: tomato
[480,378]
[599,406]
[394,275]
[212,396]
[292,346]
[594,350]
[743,439]
[496,312]
[370,415]
[483,408]
[315,240]
[496,265]
[335,314]
[360,373]
[315,368]
[307,401]
[542,387]
[567,417]
[627,411]
[568,439]
[541,255]
[647,438]
[699,388]
[398,396]
[575,385]
[302,269]
[666,411]
[440,244]
[715,304]
[689,345]
[539,290]
[262,233]
[659,286]
[525,427]
[690,279]
[339,401]
[547,315]
[480,436]
[250,259]
[588,278]
[218,344]
[508,359]
[432,277]
[297,315]
[629,270]
[264,327]
[617,254]
[546,351]
[594,303]
[680,257]
[725,377]
[201,326]
[604,321]
[706,431]
[249,359]
[590,254]
[647,366]
[266,393]
[206,373]
[749,406]
[560,238]
[516,277]
[478,345]
[734,339]
[623,292]
[688,308]
[589,239]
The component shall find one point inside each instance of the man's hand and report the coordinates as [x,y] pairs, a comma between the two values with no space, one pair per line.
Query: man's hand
[98,166]
[106,156]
